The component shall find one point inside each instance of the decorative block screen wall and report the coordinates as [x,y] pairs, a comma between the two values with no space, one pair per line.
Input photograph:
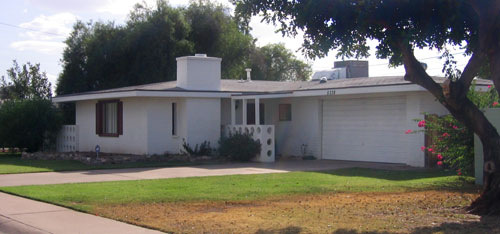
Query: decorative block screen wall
[67,139]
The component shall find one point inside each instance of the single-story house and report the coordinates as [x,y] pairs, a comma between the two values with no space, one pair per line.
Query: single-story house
[357,119]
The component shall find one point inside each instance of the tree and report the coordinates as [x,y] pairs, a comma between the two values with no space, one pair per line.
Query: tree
[216,33]
[103,55]
[276,62]
[26,82]
[400,27]
[29,124]
[28,119]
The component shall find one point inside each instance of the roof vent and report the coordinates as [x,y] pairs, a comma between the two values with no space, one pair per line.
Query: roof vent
[200,55]
[323,80]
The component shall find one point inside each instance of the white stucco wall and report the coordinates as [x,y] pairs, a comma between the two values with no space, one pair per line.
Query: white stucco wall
[134,138]
[201,120]
[147,127]
[304,128]
[159,113]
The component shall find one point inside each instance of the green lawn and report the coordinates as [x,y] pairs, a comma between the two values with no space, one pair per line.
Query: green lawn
[12,164]
[85,196]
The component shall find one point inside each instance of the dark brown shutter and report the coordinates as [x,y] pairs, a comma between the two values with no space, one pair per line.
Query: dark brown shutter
[120,118]
[98,118]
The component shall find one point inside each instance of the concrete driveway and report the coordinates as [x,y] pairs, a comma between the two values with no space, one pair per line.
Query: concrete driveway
[176,172]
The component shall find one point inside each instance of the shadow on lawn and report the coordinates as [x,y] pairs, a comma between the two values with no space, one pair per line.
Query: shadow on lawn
[488,224]
[287,230]
[395,175]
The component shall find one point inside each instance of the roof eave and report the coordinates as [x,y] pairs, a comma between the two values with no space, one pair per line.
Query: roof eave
[140,93]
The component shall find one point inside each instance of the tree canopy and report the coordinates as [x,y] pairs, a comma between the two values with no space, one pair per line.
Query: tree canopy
[104,55]
[400,27]
[25,82]
[276,62]
[28,119]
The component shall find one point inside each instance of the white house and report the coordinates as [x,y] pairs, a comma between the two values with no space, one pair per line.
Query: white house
[358,119]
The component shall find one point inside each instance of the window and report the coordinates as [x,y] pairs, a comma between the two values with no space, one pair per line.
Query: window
[109,118]
[174,119]
[285,112]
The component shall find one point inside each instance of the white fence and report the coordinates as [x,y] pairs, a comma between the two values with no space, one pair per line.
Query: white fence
[261,133]
[67,139]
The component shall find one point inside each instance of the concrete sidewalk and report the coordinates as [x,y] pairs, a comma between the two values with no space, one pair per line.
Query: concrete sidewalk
[21,215]
[176,172]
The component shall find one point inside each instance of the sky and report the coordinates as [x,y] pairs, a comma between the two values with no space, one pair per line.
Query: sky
[34,31]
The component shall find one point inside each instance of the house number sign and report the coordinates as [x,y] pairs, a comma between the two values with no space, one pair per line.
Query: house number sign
[330,92]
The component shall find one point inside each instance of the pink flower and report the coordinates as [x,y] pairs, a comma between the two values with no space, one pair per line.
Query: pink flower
[495,103]
[459,173]
[408,131]
[446,134]
[430,150]
[440,163]
[422,148]
[455,127]
[421,124]
[489,86]
[440,157]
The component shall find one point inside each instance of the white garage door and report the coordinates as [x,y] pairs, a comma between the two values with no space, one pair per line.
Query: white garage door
[365,129]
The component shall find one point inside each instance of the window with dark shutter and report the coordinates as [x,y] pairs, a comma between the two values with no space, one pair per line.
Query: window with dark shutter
[109,118]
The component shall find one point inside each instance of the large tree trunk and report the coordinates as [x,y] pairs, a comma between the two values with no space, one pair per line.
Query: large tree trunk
[489,201]
[452,95]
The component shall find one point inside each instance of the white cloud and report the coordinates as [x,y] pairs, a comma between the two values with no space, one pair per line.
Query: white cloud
[121,7]
[45,47]
[65,5]
[50,27]
[45,34]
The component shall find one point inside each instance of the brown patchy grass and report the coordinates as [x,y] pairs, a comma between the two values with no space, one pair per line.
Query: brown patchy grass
[403,212]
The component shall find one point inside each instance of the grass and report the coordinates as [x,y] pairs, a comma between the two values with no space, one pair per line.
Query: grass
[85,196]
[13,164]
[341,201]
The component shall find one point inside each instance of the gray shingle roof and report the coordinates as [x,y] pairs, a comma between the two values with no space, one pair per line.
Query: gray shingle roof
[260,86]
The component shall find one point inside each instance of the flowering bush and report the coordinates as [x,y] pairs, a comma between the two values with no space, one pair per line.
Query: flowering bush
[452,142]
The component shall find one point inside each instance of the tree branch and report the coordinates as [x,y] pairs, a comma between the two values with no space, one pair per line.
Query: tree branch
[416,73]
[470,71]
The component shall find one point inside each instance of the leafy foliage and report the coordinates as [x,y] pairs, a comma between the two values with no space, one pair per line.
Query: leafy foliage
[29,124]
[453,142]
[239,147]
[103,55]
[25,82]
[347,25]
[276,62]
[203,150]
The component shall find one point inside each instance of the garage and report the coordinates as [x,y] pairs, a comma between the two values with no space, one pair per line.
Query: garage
[365,129]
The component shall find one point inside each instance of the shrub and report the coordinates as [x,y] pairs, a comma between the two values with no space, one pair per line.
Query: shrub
[29,124]
[203,150]
[453,142]
[239,147]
